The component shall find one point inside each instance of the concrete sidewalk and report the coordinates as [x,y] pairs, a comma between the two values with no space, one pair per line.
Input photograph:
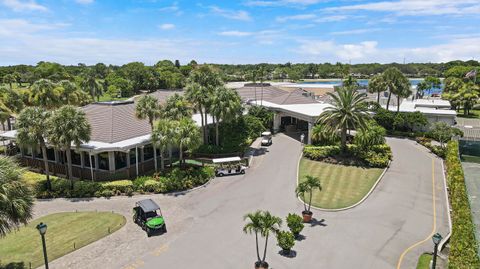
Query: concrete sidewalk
[472,181]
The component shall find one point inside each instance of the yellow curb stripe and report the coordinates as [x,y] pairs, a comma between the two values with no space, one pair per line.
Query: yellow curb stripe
[399,264]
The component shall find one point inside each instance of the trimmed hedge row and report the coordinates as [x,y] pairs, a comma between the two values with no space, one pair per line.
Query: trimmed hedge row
[437,150]
[463,245]
[375,156]
[175,180]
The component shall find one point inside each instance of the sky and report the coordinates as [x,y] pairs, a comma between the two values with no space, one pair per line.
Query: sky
[238,32]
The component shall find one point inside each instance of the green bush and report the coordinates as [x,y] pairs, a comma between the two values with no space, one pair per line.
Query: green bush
[295,223]
[319,153]
[285,240]
[118,186]
[463,245]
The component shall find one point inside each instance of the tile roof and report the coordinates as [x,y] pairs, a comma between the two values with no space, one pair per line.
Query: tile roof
[275,95]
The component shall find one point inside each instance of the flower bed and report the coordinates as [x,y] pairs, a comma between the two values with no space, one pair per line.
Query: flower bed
[376,156]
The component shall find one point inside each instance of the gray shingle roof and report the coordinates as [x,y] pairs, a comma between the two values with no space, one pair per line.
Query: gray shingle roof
[275,95]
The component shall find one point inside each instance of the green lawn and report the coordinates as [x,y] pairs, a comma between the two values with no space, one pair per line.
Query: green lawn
[342,185]
[470,159]
[424,261]
[64,229]
[474,113]
[106,98]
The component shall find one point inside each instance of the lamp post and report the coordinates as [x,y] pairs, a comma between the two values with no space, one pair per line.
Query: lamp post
[42,229]
[436,238]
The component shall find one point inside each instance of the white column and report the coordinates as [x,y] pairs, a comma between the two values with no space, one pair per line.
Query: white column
[111,161]
[91,164]
[310,126]
[136,159]
[277,119]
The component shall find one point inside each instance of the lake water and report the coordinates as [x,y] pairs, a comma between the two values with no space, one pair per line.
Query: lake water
[364,82]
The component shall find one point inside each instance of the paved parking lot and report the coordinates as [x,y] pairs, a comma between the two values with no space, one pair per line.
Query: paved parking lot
[205,226]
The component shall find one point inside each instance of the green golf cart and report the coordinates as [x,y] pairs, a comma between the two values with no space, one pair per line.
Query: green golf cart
[147,214]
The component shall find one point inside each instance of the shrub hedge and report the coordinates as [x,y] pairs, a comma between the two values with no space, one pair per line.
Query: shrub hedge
[375,156]
[437,150]
[175,180]
[463,245]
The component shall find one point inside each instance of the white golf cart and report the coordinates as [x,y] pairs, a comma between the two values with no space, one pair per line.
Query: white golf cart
[229,166]
[266,138]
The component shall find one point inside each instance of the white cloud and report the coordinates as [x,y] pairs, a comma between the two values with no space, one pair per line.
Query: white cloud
[12,27]
[369,51]
[240,15]
[356,31]
[416,7]
[235,33]
[273,3]
[333,18]
[28,5]
[173,8]
[166,26]
[299,17]
[84,2]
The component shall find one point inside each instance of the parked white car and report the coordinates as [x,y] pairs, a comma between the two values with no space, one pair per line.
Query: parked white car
[266,138]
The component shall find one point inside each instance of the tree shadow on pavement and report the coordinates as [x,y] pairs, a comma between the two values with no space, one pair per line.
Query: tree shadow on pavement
[290,254]
[300,237]
[260,151]
[316,222]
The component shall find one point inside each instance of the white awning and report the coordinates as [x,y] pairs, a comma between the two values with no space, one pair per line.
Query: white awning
[226,160]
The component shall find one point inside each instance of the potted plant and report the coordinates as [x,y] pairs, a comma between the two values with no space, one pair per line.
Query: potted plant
[286,241]
[261,223]
[311,183]
[294,223]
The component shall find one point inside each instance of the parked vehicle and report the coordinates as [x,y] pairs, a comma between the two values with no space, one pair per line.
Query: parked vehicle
[229,166]
[147,214]
[266,138]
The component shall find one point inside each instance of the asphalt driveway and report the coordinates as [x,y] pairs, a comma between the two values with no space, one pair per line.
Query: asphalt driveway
[205,226]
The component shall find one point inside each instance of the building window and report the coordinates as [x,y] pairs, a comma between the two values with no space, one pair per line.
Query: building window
[120,160]
[133,157]
[38,153]
[148,152]
[103,162]
[61,157]
[51,154]
[76,158]
[27,151]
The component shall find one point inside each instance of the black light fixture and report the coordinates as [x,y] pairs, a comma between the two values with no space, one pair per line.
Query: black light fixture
[436,238]
[42,229]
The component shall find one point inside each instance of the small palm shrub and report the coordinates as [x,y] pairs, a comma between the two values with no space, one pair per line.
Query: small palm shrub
[285,240]
[295,223]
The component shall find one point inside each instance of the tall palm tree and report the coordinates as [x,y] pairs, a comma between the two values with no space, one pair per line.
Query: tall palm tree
[68,125]
[31,132]
[348,112]
[70,94]
[147,107]
[176,108]
[396,82]
[403,91]
[263,223]
[308,186]
[187,136]
[91,85]
[226,105]
[254,226]
[16,200]
[44,93]
[11,103]
[163,136]
[377,85]
[198,96]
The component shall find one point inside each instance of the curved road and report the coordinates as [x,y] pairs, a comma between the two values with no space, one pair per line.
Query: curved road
[205,226]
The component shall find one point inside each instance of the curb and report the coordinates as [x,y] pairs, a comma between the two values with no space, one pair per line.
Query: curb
[348,207]
[447,201]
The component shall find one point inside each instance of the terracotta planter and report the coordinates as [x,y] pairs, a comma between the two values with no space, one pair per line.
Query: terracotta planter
[261,265]
[307,216]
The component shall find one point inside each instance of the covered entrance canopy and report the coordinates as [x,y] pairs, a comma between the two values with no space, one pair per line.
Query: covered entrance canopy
[303,116]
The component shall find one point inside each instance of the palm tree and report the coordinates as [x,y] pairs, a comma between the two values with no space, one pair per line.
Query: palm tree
[254,226]
[377,85]
[396,82]
[187,136]
[308,186]
[70,94]
[44,93]
[403,91]
[263,223]
[68,125]
[31,132]
[323,136]
[198,96]
[226,105]
[11,103]
[147,107]
[16,200]
[91,85]
[163,136]
[348,111]
[176,108]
